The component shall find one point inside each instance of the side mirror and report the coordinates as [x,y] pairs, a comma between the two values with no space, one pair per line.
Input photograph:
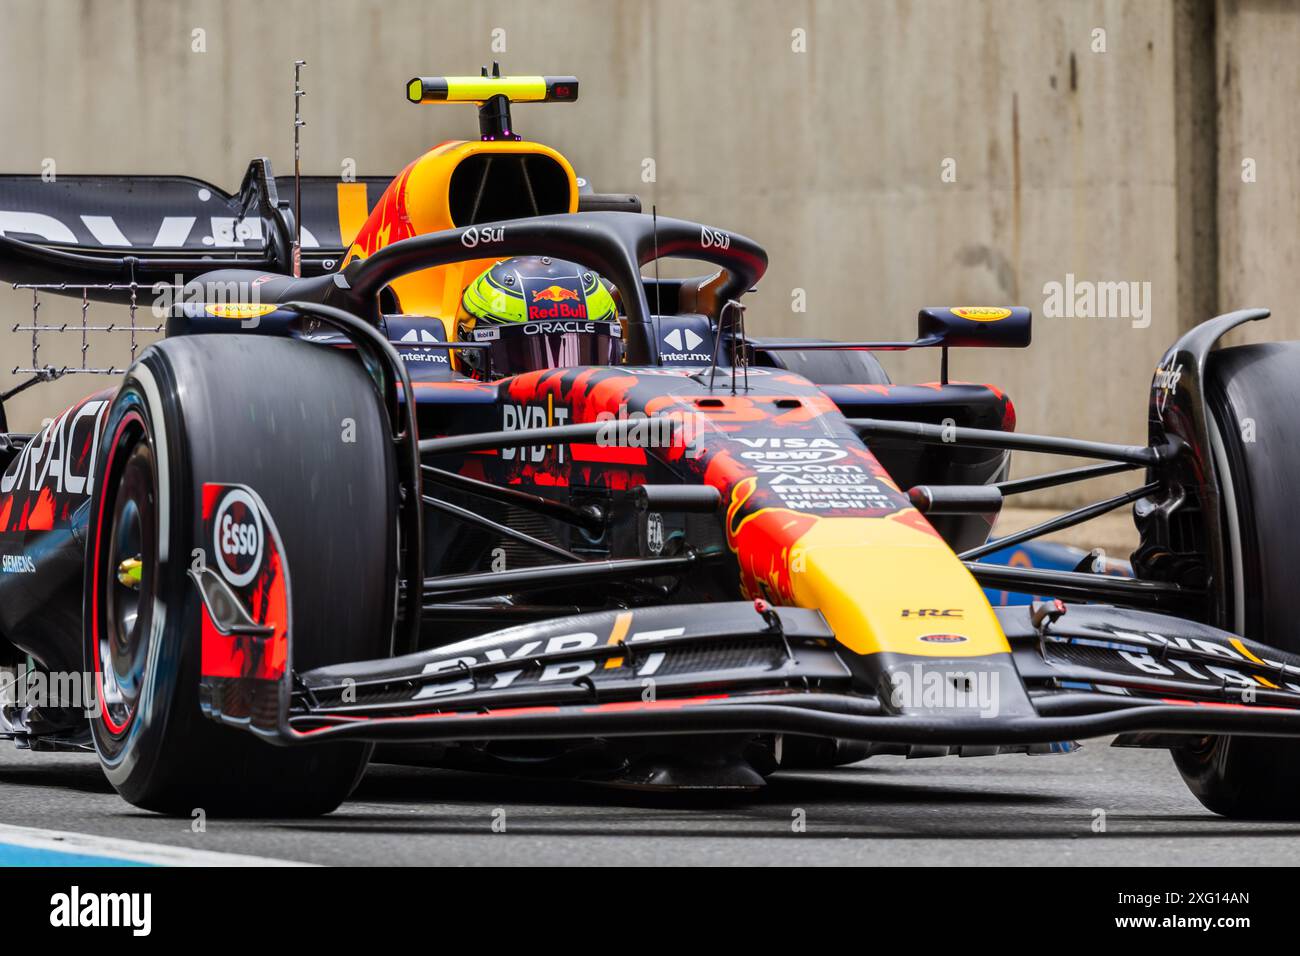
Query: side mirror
[975,326]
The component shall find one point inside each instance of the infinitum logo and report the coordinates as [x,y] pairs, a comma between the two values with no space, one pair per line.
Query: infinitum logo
[77,909]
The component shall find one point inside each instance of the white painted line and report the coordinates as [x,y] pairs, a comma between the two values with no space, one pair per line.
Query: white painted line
[157,854]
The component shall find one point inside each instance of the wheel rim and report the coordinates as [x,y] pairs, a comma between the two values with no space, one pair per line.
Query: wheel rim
[128,578]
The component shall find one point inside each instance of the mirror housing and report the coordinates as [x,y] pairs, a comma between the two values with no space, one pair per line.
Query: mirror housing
[975,326]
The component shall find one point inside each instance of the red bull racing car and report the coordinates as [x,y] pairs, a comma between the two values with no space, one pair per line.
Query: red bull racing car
[593,528]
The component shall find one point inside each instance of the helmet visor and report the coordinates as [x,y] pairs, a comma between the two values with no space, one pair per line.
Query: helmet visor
[530,346]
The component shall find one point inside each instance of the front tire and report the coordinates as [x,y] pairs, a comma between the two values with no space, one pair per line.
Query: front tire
[270,414]
[1251,395]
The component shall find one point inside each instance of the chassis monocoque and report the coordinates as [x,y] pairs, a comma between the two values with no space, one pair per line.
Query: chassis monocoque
[294,532]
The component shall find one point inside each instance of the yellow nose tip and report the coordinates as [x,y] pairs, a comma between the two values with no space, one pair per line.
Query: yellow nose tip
[130,571]
[885,586]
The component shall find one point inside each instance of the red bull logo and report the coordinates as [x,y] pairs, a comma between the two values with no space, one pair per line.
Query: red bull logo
[554,293]
[562,303]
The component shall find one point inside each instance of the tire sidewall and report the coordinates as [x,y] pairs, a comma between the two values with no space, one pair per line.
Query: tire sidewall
[131,758]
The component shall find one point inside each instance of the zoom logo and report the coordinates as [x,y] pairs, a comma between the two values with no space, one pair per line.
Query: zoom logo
[238,537]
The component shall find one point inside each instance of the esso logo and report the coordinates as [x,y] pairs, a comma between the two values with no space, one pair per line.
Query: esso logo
[238,538]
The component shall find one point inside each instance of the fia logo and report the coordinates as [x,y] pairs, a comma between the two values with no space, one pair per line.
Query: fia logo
[654,532]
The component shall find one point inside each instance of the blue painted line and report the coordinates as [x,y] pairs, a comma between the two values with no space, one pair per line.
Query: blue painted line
[34,846]
[12,855]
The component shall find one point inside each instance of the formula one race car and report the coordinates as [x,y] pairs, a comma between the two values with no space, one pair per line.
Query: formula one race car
[474,490]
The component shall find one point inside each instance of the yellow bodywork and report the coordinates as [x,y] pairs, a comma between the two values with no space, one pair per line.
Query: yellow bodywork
[417,202]
[883,585]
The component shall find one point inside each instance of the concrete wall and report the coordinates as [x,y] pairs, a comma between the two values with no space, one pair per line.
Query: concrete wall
[1258,75]
[1068,160]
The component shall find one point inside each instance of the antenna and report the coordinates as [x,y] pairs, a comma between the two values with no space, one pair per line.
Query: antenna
[494,115]
[654,230]
[298,124]
[739,347]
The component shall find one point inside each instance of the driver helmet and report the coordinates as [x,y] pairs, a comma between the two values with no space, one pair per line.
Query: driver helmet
[570,315]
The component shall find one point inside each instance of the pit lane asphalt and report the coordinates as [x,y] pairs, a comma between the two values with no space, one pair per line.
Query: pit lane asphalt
[1007,810]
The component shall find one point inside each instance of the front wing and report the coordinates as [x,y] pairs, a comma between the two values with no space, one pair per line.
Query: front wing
[743,668]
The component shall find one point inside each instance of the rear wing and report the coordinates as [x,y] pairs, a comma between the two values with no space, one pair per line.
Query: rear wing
[941,327]
[146,229]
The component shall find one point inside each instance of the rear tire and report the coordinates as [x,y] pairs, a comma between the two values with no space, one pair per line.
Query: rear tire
[269,414]
[1252,389]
